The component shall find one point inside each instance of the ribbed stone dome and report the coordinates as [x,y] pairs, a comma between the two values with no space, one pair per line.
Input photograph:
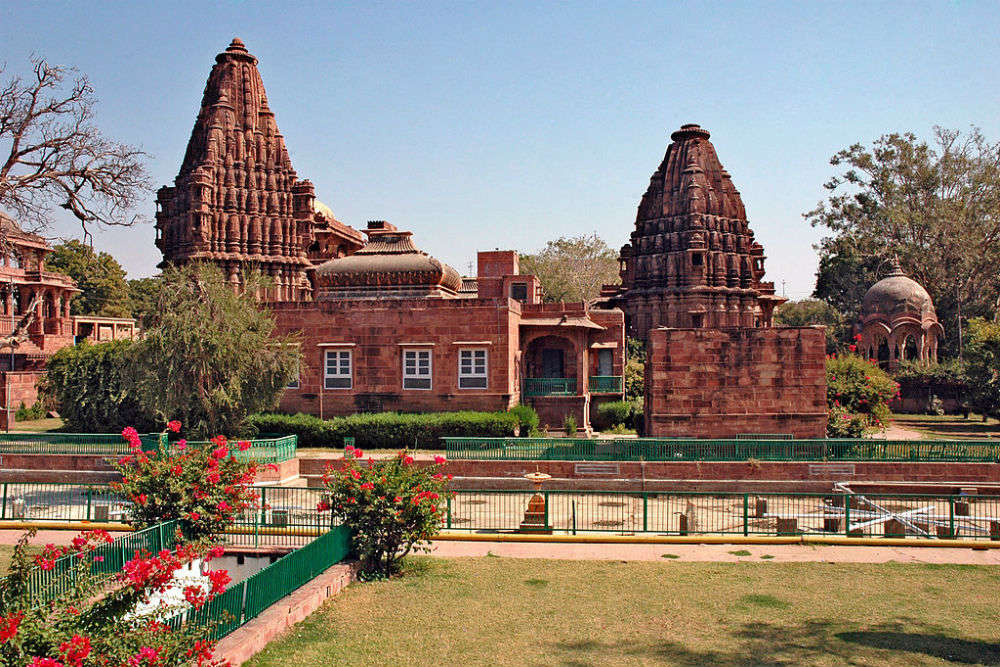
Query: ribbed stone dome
[389,262]
[897,296]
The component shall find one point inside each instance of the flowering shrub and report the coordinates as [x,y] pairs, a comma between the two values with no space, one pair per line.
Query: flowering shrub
[95,620]
[858,394]
[203,488]
[392,506]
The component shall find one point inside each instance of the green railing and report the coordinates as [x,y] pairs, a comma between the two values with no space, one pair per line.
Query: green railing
[106,560]
[679,513]
[736,449]
[264,450]
[605,384]
[246,600]
[549,387]
[109,444]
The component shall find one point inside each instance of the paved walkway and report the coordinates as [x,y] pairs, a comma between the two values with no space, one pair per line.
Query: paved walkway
[895,432]
[782,553]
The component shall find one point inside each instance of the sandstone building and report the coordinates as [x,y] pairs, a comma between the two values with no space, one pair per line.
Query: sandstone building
[35,320]
[237,201]
[383,325]
[692,260]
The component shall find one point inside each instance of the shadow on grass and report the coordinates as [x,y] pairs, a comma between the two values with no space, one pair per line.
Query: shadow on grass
[774,645]
[972,428]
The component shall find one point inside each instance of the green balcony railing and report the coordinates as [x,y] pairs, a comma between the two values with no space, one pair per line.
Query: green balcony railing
[549,387]
[605,384]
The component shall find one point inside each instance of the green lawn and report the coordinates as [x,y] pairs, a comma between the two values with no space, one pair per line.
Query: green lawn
[39,425]
[500,611]
[949,426]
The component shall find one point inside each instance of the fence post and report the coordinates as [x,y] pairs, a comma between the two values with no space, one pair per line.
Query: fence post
[546,520]
[645,512]
[90,492]
[574,516]
[3,510]
[746,514]
[951,517]
[847,515]
[449,512]
[159,536]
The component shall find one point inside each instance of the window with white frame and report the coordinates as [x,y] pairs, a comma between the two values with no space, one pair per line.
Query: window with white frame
[472,368]
[416,369]
[338,369]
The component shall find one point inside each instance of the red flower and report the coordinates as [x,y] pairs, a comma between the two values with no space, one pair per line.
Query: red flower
[142,498]
[75,650]
[182,444]
[174,425]
[367,486]
[322,506]
[194,516]
[439,460]
[146,657]
[45,662]
[852,348]
[407,460]
[220,452]
[243,445]
[213,478]
[195,596]
[8,626]
[358,454]
[219,579]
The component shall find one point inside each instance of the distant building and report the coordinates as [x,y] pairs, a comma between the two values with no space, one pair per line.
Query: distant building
[898,321]
[35,320]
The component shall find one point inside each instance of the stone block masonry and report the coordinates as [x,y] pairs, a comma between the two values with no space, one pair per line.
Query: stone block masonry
[718,383]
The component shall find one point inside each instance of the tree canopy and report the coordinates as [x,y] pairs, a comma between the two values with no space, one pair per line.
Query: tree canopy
[573,268]
[142,299]
[815,311]
[936,207]
[51,153]
[98,274]
[209,357]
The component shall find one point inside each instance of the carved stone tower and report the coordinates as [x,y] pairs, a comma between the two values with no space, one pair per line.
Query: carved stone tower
[237,201]
[692,260]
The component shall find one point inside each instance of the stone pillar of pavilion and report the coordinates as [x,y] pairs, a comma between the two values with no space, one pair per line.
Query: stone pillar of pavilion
[692,260]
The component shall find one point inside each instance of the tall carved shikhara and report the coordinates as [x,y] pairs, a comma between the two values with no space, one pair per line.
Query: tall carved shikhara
[237,201]
[693,260]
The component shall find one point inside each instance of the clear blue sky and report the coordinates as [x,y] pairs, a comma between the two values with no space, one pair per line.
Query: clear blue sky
[483,125]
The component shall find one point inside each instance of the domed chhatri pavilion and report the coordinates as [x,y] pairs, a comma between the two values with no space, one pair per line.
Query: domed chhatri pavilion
[897,312]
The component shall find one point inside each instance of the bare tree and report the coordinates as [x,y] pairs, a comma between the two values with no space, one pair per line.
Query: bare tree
[52,155]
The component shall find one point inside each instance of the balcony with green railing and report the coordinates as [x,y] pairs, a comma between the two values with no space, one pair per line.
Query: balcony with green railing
[605,384]
[549,387]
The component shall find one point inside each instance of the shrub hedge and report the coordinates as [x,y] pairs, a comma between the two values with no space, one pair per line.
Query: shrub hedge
[387,430]
[618,413]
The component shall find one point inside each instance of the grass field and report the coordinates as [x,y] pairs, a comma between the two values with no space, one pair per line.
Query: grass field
[949,426]
[507,612]
[39,425]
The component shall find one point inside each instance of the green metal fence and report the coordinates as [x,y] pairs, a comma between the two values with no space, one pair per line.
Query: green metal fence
[246,600]
[106,560]
[265,450]
[549,387]
[109,444]
[736,449]
[605,384]
[773,514]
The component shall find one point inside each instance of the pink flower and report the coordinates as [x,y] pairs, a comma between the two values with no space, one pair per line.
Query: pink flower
[174,425]
[439,460]
[367,486]
[45,662]
[243,445]
[223,506]
[182,444]
[220,452]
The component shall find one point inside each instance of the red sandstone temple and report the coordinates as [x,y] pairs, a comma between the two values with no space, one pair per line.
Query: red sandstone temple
[383,325]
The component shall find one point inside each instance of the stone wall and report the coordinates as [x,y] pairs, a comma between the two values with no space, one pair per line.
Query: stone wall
[15,388]
[376,331]
[716,383]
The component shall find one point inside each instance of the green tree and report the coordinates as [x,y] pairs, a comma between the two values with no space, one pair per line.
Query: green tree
[209,356]
[844,275]
[99,275]
[983,369]
[934,206]
[808,312]
[142,298]
[573,268]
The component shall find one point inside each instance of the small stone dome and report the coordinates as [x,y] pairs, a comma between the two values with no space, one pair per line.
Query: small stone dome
[896,297]
[389,265]
[897,311]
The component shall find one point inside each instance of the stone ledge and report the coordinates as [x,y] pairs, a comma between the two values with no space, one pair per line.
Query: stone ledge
[248,640]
